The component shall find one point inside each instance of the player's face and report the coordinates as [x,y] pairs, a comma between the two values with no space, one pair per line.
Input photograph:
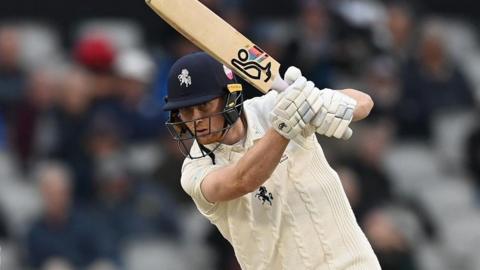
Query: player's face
[205,120]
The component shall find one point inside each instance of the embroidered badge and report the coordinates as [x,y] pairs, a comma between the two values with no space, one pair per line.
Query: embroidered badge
[264,195]
[184,78]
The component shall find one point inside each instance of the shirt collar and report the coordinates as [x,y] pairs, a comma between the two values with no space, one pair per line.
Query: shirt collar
[254,133]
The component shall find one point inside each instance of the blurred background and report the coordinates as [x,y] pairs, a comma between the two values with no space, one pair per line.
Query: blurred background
[89,177]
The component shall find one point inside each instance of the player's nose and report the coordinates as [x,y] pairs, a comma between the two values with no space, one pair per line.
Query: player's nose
[198,116]
[196,113]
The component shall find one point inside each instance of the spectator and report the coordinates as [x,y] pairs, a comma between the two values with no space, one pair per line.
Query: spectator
[34,131]
[374,183]
[141,117]
[103,265]
[63,231]
[168,173]
[350,183]
[73,116]
[3,133]
[283,8]
[315,33]
[235,15]
[225,259]
[389,243]
[312,47]
[105,137]
[212,4]
[131,209]
[353,44]
[97,54]
[432,83]
[401,31]
[382,82]
[12,77]
[57,264]
[472,150]
[3,226]
[362,206]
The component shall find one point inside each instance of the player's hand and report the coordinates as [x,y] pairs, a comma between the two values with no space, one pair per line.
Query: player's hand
[296,106]
[333,110]
[335,116]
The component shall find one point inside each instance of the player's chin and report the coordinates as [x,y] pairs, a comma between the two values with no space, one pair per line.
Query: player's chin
[209,138]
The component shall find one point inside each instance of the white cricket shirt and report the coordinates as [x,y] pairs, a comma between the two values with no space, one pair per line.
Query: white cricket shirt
[309,224]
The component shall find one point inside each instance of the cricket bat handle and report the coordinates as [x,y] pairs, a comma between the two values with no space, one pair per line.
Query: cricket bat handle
[280,85]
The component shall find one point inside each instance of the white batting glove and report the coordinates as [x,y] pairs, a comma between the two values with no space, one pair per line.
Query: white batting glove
[335,116]
[296,106]
[333,110]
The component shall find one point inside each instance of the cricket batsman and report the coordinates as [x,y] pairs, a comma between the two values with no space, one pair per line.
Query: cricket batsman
[255,169]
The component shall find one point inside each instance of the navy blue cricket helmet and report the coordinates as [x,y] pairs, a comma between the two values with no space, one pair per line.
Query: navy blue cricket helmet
[195,79]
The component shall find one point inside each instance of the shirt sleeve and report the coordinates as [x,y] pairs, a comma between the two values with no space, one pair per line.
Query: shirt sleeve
[259,108]
[193,174]
[268,101]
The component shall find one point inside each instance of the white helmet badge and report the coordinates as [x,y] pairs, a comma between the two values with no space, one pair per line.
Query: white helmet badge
[185,78]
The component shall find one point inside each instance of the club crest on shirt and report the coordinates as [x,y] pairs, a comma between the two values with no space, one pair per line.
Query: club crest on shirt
[185,78]
[264,195]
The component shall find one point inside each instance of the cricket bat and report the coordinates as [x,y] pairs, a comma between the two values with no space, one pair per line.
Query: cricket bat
[216,37]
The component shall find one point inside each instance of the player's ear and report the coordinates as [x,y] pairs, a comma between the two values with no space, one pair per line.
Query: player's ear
[176,116]
[179,127]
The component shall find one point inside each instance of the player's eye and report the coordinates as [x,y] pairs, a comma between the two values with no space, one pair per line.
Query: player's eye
[204,106]
[185,113]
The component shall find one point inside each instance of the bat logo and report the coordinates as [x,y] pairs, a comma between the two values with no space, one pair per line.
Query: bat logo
[282,125]
[249,63]
[184,78]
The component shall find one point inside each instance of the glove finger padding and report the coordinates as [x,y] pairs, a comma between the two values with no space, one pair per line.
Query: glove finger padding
[348,133]
[299,84]
[335,115]
[291,75]
[326,123]
[306,109]
[293,109]
[284,117]
[319,117]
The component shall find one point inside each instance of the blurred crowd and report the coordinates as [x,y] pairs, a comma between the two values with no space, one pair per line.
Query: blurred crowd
[89,176]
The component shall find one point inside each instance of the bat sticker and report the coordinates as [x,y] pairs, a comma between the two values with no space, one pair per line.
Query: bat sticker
[248,63]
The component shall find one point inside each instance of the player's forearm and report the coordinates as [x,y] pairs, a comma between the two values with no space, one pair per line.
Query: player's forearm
[258,164]
[364,103]
[250,172]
